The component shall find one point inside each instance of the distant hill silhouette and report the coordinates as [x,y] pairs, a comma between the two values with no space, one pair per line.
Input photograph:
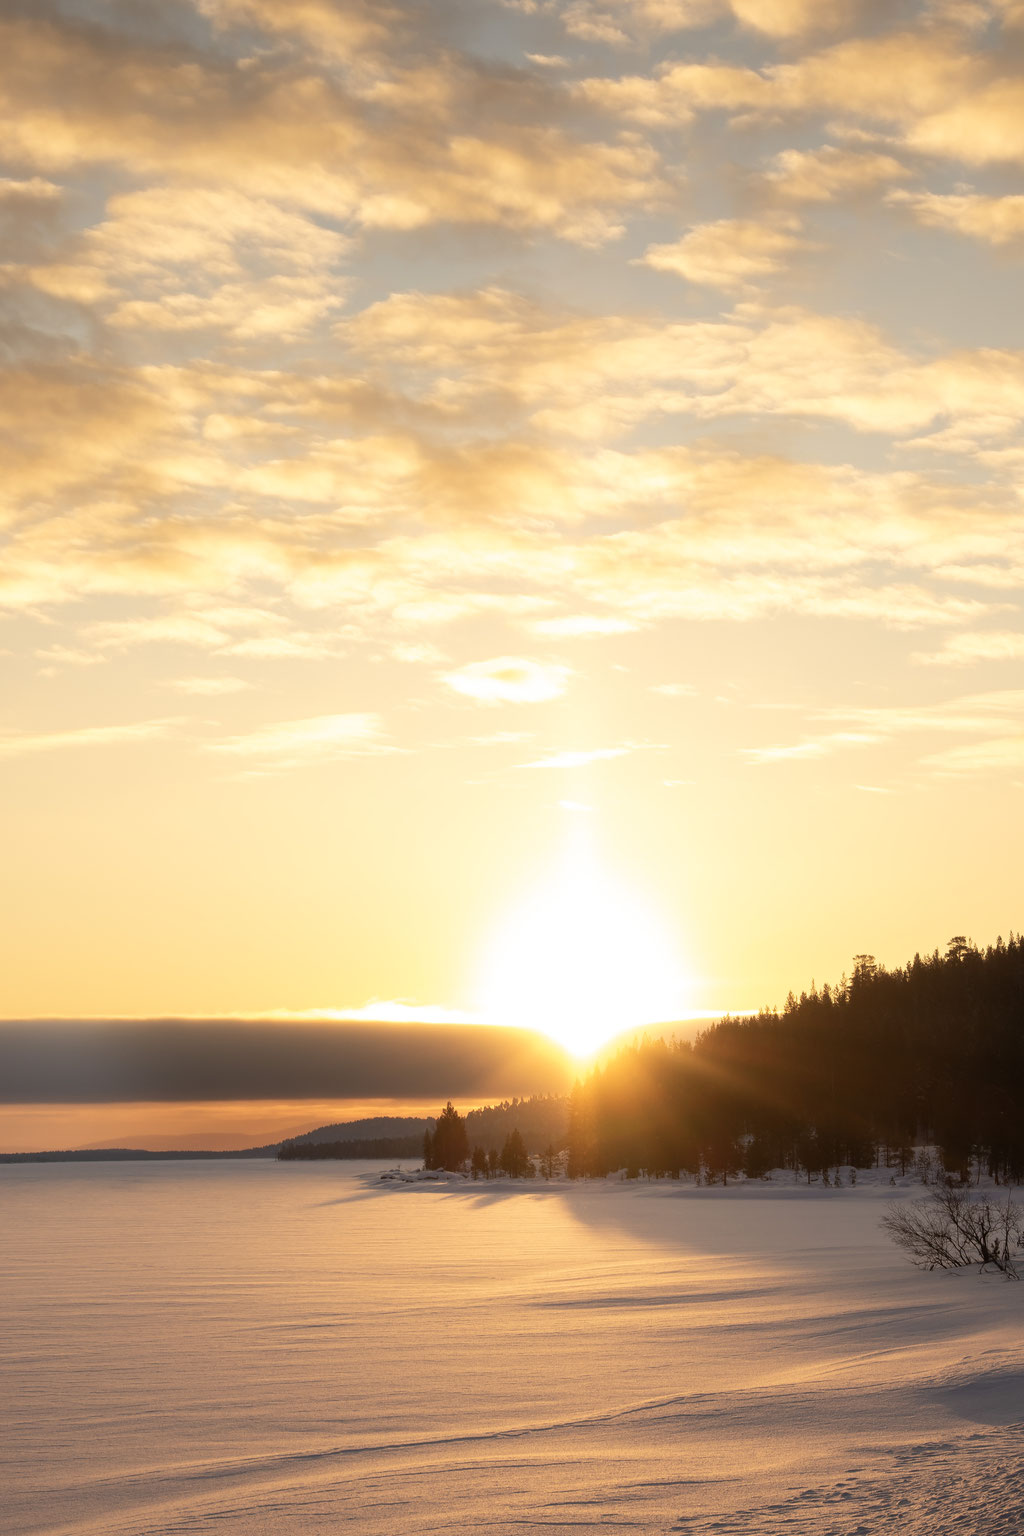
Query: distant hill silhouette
[382,1136]
[376,1129]
[401,1147]
[132,1155]
[386,1135]
[542,1121]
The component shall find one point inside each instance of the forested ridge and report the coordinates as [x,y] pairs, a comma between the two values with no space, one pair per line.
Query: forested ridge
[540,1120]
[930,1053]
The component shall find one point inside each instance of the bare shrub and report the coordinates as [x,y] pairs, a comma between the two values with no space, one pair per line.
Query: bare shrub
[948,1230]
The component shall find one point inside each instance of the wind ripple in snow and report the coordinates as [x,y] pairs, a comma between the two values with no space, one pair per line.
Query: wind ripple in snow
[974,1488]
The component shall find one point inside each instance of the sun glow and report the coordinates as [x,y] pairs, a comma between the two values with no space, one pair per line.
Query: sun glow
[582,959]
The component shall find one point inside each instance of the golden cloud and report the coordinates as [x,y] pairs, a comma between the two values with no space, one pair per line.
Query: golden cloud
[572,625]
[731,253]
[510,680]
[209,687]
[581,759]
[999,754]
[413,533]
[968,712]
[337,31]
[794,18]
[288,743]
[982,714]
[617,22]
[373,140]
[620,22]
[936,95]
[973,646]
[995,220]
[186,259]
[796,752]
[830,173]
[24,743]
[35,190]
[592,376]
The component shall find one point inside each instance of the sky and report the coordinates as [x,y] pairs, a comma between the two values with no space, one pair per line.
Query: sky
[505,502]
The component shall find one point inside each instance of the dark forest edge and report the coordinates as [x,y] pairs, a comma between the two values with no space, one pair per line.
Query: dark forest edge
[931,1053]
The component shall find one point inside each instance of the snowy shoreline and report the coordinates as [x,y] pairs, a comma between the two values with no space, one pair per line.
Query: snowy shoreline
[878,1181]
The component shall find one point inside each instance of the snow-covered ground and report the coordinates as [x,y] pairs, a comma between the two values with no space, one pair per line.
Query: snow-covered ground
[263,1349]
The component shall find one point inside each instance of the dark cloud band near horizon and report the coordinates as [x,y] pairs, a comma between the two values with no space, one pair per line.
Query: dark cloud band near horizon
[168,1060]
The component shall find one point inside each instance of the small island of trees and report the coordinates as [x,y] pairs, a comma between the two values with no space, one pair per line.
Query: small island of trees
[447,1146]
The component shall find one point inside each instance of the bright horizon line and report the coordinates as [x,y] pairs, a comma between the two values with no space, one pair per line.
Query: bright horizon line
[369,1013]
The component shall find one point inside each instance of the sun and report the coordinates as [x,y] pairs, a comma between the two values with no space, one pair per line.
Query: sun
[581,959]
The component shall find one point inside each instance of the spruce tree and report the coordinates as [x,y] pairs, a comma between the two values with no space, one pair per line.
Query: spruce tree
[514,1158]
[451,1143]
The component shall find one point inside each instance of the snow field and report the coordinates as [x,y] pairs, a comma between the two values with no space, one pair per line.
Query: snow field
[300,1350]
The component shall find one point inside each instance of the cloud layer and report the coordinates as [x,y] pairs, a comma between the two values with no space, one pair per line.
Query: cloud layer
[170,1061]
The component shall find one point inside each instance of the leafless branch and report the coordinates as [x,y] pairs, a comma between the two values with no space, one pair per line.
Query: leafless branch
[948,1229]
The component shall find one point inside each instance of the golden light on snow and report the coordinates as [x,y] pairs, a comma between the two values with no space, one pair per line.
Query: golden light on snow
[582,958]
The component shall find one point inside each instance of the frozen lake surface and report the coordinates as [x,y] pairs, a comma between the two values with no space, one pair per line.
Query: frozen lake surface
[264,1349]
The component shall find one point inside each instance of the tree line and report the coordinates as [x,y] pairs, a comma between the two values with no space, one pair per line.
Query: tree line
[929,1053]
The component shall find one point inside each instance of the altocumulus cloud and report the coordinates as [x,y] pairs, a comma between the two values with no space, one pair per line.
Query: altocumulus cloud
[295,741]
[20,744]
